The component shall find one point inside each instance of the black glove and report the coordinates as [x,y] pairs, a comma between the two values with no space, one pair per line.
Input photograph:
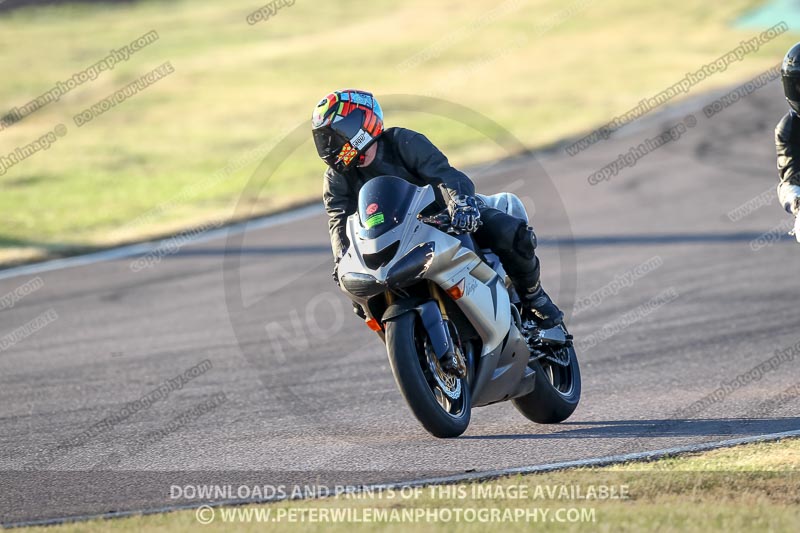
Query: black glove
[464,213]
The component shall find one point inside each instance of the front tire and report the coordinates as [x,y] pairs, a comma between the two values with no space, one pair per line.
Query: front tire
[556,393]
[406,342]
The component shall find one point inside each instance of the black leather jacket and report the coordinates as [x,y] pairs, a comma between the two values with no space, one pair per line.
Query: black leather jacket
[787,144]
[403,153]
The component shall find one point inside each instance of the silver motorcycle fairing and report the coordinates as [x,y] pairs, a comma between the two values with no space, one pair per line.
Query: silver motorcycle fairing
[501,371]
[506,202]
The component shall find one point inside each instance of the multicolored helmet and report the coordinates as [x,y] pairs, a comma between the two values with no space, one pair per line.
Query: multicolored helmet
[345,123]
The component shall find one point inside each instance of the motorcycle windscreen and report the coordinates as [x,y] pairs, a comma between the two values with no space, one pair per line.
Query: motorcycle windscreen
[382,204]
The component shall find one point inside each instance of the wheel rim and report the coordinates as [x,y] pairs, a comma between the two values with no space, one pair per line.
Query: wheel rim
[558,370]
[447,389]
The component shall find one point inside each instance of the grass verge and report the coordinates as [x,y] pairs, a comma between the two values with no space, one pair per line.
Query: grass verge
[186,150]
[744,488]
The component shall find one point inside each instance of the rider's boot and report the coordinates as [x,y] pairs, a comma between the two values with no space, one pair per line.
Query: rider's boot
[536,304]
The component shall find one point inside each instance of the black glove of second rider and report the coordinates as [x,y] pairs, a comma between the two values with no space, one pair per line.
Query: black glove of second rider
[464,213]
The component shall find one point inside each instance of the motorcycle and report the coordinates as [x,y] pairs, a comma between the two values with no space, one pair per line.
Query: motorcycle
[448,314]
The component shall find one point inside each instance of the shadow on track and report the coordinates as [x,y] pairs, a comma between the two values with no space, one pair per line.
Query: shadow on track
[666,238]
[669,427]
[596,240]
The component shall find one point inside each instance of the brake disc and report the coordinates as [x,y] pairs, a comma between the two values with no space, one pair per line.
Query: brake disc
[449,383]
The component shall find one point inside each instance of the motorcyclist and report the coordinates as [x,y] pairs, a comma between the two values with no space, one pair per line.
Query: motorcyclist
[787,138]
[349,135]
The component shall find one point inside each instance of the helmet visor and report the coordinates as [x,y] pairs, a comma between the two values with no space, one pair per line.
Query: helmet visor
[349,126]
[791,88]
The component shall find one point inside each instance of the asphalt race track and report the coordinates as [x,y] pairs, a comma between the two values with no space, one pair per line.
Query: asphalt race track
[298,390]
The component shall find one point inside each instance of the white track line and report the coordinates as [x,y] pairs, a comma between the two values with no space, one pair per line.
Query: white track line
[145,247]
[457,478]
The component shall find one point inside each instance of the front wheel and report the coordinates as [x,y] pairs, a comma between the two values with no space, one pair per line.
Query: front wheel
[557,389]
[439,400]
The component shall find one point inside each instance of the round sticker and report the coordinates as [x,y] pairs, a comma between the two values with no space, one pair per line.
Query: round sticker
[371,208]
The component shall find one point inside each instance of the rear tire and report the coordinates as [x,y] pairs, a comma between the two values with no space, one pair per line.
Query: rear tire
[547,404]
[403,336]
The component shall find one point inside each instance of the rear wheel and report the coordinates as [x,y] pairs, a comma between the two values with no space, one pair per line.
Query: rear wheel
[557,388]
[439,400]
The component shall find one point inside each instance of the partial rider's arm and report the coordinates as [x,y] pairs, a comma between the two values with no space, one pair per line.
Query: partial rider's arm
[787,144]
[340,202]
[430,164]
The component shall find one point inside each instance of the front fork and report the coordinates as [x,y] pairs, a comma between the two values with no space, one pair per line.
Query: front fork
[453,360]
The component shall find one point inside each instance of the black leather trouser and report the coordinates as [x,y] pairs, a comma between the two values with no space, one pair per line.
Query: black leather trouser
[514,243]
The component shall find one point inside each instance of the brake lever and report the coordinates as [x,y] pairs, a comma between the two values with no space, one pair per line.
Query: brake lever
[439,220]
